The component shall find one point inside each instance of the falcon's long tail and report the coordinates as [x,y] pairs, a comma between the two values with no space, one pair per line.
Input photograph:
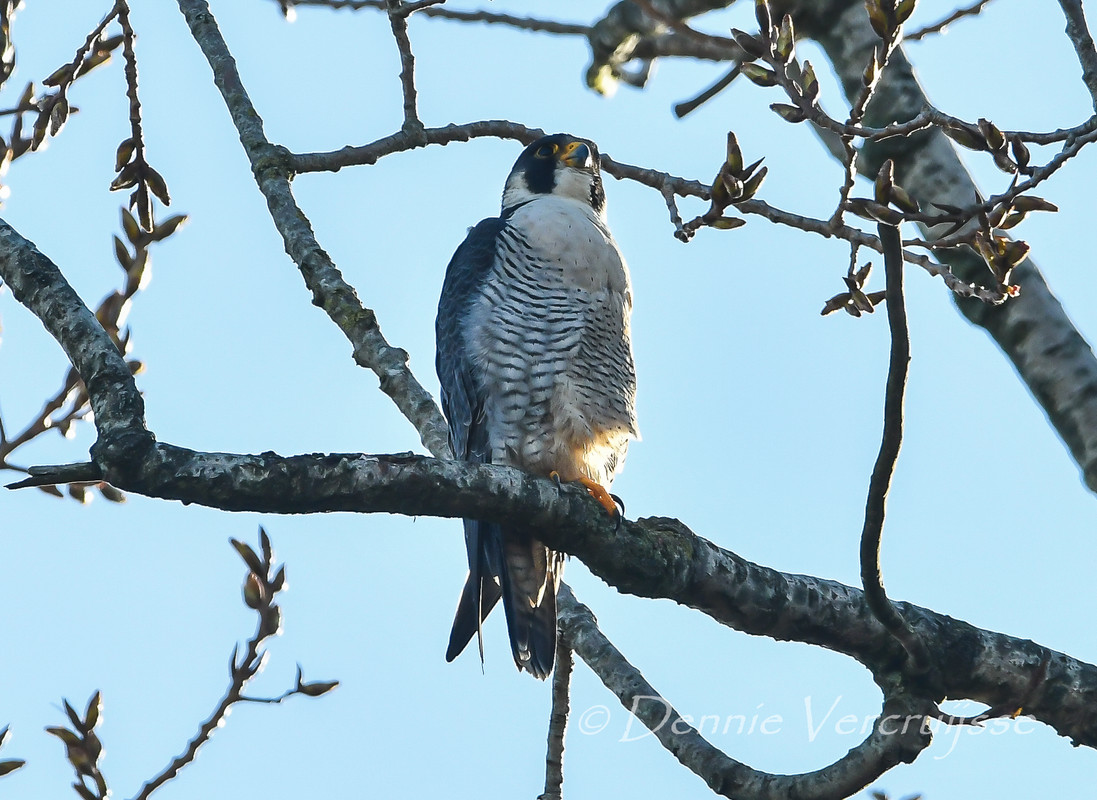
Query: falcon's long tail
[481,591]
[530,579]
[526,574]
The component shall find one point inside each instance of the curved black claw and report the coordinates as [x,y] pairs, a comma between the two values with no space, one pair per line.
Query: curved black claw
[620,515]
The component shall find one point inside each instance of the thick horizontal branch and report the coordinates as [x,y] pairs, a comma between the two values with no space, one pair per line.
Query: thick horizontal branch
[655,557]
[651,558]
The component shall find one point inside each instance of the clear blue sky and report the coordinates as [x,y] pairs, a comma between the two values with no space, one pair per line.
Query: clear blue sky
[760,420]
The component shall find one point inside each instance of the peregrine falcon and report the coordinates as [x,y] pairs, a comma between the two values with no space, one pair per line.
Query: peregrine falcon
[536,368]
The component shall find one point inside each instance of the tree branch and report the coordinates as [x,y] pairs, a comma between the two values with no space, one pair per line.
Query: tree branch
[1032,330]
[897,736]
[657,557]
[974,9]
[892,439]
[1078,33]
[558,719]
[272,170]
[37,283]
[364,155]
[398,20]
[487,17]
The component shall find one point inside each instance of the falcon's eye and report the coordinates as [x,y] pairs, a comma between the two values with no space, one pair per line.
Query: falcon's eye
[546,151]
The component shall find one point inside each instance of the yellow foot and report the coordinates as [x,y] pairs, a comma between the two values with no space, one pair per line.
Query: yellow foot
[597,491]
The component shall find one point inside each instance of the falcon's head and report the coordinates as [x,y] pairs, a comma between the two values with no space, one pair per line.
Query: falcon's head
[561,165]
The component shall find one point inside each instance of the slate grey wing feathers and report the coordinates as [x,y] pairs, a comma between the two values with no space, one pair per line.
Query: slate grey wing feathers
[536,368]
[463,406]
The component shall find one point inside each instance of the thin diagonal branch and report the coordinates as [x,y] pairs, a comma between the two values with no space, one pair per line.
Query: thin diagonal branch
[35,281]
[723,82]
[272,169]
[242,670]
[1078,33]
[939,27]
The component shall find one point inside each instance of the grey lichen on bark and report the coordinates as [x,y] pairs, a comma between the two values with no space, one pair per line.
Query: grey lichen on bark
[37,283]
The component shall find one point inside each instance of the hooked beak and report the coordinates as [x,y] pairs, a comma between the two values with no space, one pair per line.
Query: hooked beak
[577,155]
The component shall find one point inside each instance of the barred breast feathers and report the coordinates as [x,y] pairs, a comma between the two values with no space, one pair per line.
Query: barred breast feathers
[550,331]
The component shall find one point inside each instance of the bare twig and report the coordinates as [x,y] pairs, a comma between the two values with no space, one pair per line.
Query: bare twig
[136,171]
[681,27]
[725,80]
[891,440]
[402,141]
[939,27]
[678,45]
[1078,33]
[261,587]
[488,17]
[672,206]
[558,720]
[398,20]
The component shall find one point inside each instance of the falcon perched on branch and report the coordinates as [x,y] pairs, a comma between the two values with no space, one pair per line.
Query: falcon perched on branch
[536,367]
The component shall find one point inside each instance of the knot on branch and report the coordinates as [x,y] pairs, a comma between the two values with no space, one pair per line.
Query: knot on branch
[121,454]
[904,721]
[275,162]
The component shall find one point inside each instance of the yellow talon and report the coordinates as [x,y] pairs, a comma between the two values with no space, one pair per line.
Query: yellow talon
[597,491]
